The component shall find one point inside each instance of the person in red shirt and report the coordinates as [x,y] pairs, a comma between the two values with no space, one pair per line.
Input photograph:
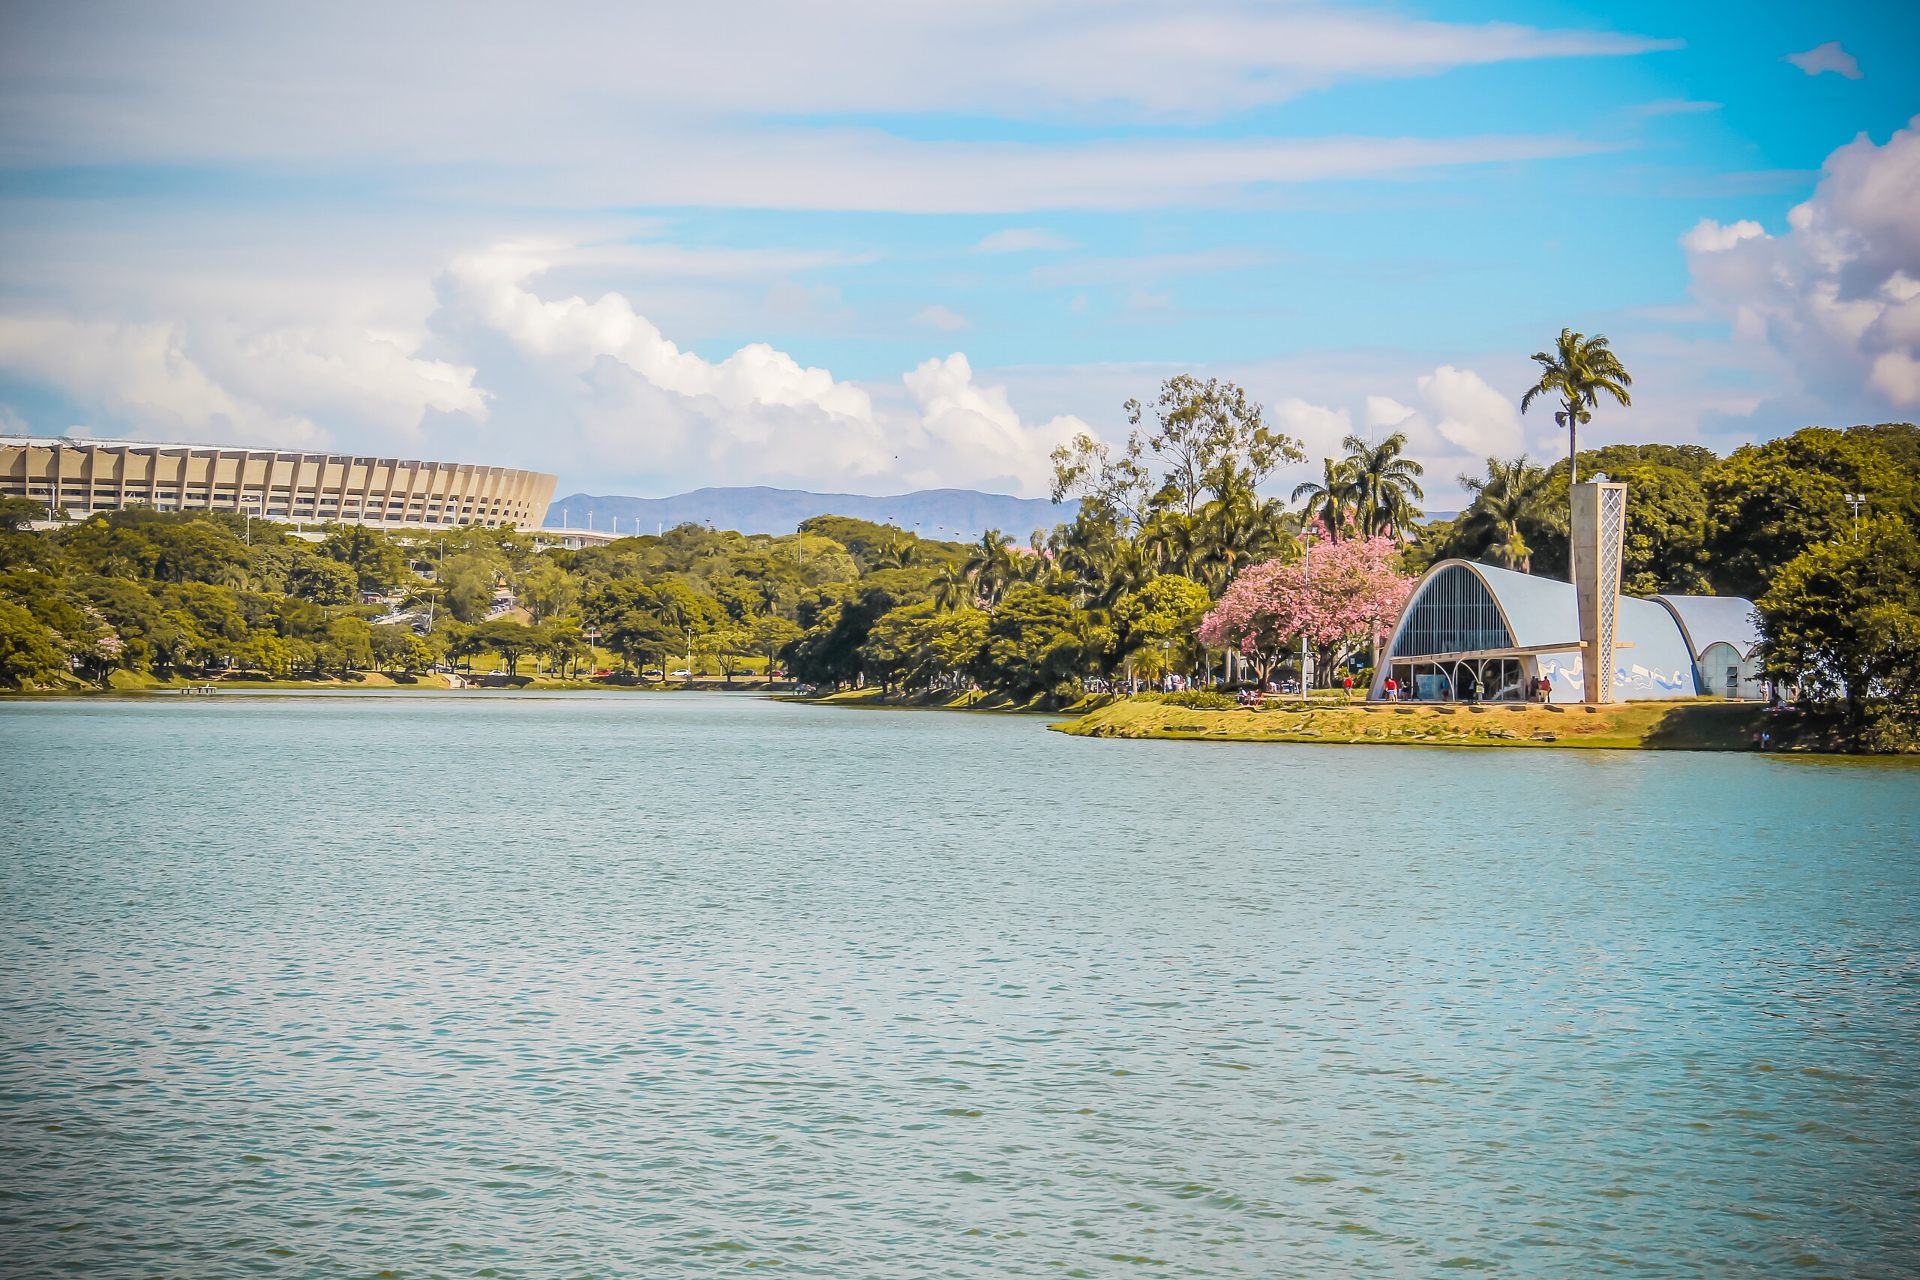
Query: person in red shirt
[1393,689]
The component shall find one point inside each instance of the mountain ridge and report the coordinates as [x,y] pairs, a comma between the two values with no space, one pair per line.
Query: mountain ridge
[954,515]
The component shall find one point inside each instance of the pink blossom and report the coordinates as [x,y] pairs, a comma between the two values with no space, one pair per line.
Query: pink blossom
[1348,594]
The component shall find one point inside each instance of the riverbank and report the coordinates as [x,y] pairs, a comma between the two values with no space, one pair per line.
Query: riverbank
[127,682]
[1658,726]
[875,698]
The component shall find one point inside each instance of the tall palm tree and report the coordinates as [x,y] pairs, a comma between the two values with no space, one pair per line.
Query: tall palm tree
[1236,531]
[991,566]
[1578,370]
[1385,484]
[1174,540]
[1327,499]
[1130,569]
[952,587]
[1510,492]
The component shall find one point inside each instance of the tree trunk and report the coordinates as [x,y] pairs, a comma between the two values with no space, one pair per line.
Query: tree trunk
[1573,442]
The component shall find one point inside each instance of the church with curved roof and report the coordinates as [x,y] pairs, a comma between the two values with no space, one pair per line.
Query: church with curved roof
[1474,632]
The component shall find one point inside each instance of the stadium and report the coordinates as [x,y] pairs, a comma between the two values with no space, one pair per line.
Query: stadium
[83,476]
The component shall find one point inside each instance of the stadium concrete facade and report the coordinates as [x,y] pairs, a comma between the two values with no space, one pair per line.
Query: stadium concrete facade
[83,476]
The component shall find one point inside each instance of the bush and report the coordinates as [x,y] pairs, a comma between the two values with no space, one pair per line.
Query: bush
[1193,699]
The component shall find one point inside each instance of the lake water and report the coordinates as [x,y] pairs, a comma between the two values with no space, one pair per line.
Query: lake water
[663,986]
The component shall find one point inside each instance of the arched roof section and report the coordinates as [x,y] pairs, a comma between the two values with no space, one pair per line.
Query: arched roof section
[1709,620]
[1520,611]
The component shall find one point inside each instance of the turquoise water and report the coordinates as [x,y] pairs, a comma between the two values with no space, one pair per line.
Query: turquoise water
[667,986]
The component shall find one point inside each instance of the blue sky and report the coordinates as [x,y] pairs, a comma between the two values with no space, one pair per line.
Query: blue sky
[852,247]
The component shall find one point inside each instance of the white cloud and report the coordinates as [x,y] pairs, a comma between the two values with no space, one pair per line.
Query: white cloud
[223,383]
[1709,236]
[1318,428]
[1470,414]
[1024,240]
[943,318]
[1826,57]
[1834,296]
[672,108]
[1385,413]
[235,79]
[615,394]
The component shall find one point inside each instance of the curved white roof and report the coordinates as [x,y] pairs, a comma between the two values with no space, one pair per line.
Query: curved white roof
[1539,611]
[1657,652]
[1706,620]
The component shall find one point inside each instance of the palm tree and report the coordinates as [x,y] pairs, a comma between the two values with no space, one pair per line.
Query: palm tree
[1236,531]
[1130,569]
[1329,498]
[1385,484]
[1577,370]
[895,553]
[1174,540]
[991,565]
[952,587]
[1510,493]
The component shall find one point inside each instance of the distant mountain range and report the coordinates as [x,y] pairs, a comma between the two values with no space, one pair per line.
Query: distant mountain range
[951,515]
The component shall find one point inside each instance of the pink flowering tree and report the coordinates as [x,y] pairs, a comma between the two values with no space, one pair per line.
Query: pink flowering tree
[1344,596]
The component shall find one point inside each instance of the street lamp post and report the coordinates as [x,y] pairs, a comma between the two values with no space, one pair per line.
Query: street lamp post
[1856,501]
[1306,576]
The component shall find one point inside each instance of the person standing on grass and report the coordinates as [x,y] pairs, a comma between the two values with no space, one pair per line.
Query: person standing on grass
[1346,682]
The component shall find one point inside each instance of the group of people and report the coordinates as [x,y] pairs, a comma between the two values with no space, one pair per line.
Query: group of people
[1539,689]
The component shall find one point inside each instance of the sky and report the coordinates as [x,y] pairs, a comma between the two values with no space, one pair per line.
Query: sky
[871,247]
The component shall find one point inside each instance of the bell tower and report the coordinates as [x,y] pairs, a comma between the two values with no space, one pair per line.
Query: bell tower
[1595,543]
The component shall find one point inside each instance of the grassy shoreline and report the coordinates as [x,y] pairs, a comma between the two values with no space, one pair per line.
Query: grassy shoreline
[1649,726]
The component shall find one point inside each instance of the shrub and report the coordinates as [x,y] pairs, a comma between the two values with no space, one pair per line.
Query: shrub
[1193,699]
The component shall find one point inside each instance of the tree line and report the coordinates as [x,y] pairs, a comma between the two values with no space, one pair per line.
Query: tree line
[1178,559]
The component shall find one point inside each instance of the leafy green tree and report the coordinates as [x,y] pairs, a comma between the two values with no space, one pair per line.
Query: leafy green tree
[467,581]
[1842,620]
[872,545]
[1769,502]
[640,638]
[30,653]
[192,551]
[728,644]
[511,639]
[17,513]
[1032,644]
[348,646]
[898,646]
[770,634]
[392,646]
[547,590]
[1203,439]
[321,579]
[378,564]
[1579,370]
[1157,623]
[172,640]
[565,647]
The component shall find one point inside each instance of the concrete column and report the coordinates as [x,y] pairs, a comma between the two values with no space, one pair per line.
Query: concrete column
[1597,536]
